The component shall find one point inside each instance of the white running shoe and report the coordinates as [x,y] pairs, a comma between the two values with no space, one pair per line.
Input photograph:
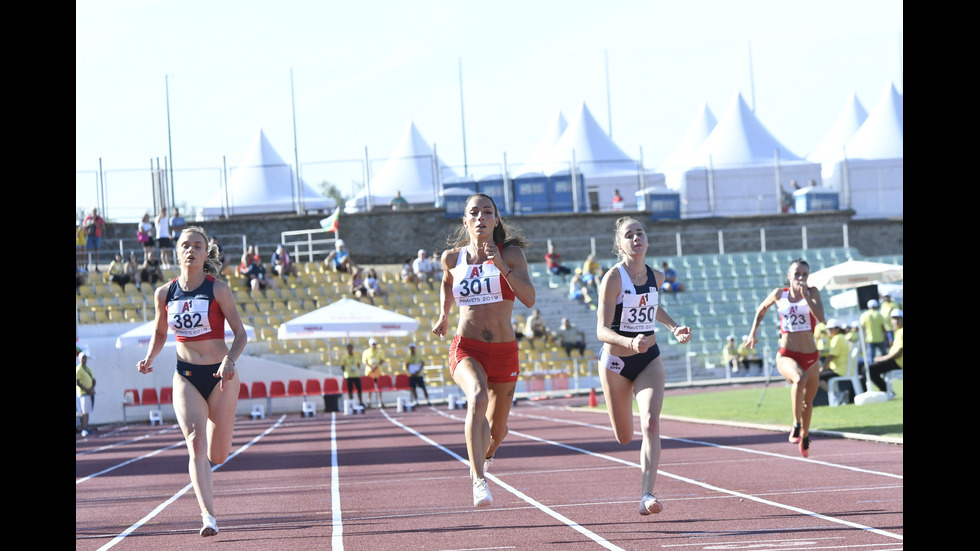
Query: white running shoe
[210,526]
[649,504]
[486,464]
[481,493]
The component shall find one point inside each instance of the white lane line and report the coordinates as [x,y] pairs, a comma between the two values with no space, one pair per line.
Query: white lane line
[185,489]
[721,446]
[688,480]
[337,533]
[547,510]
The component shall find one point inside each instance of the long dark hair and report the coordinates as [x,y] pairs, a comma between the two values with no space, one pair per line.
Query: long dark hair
[502,233]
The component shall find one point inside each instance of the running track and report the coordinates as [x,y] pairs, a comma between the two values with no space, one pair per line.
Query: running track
[388,480]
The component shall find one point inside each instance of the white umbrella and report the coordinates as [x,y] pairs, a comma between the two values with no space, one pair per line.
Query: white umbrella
[348,318]
[855,273]
[849,275]
[849,299]
[141,335]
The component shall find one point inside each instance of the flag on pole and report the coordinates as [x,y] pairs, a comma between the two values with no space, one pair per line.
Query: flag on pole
[330,223]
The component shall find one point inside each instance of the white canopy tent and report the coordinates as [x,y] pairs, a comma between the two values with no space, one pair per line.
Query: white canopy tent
[700,128]
[855,273]
[603,164]
[869,170]
[830,148]
[413,168]
[738,169]
[348,318]
[851,275]
[141,335]
[264,183]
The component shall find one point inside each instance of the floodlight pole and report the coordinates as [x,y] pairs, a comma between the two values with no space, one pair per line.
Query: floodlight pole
[462,116]
[170,145]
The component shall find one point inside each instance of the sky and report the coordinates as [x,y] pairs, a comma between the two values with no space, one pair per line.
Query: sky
[335,84]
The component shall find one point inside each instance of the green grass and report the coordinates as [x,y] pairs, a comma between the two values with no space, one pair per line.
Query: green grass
[739,405]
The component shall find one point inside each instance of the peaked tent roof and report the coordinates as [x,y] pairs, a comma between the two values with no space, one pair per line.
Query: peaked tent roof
[348,318]
[699,130]
[263,183]
[739,139]
[881,136]
[410,169]
[552,134]
[594,150]
[851,117]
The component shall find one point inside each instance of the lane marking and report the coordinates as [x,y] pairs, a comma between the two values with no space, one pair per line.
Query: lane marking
[159,508]
[527,499]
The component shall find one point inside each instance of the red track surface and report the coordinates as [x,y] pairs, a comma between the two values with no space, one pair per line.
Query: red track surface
[389,480]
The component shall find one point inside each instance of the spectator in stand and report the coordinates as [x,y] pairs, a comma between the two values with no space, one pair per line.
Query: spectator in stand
[351,366]
[617,201]
[339,259]
[838,351]
[591,272]
[282,264]
[895,358]
[81,277]
[407,274]
[414,364]
[151,271]
[671,285]
[374,287]
[85,390]
[247,257]
[578,290]
[730,355]
[117,272]
[358,287]
[94,228]
[373,359]
[424,269]
[144,236]
[81,257]
[570,338]
[887,306]
[398,202]
[535,328]
[177,224]
[749,357]
[553,260]
[258,278]
[164,241]
[875,330]
[133,269]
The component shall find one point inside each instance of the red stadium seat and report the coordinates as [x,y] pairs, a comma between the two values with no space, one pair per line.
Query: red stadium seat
[331,386]
[131,398]
[277,389]
[259,390]
[313,388]
[294,388]
[150,397]
[384,383]
[167,395]
[401,382]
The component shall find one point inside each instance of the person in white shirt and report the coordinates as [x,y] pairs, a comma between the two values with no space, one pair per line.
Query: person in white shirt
[424,269]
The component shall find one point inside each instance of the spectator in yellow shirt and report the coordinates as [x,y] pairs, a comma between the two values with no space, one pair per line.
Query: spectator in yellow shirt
[894,358]
[837,352]
[351,365]
[373,359]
